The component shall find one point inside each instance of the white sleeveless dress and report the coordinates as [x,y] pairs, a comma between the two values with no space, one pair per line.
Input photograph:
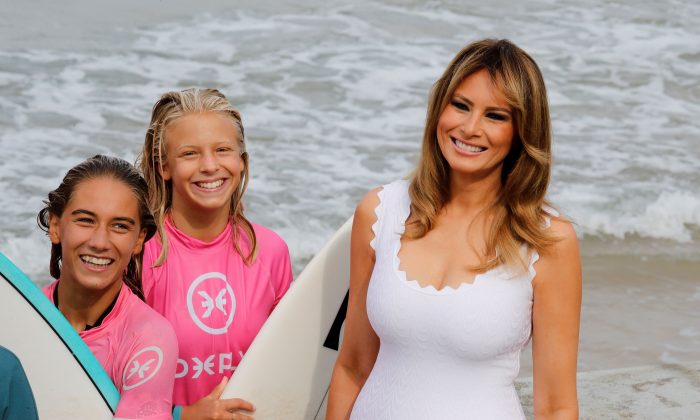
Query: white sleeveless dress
[444,354]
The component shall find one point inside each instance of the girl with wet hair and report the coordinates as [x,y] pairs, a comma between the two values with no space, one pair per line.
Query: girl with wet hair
[211,272]
[97,220]
[455,269]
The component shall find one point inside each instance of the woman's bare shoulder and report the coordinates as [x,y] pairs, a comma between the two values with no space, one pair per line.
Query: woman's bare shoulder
[563,230]
[366,208]
[560,260]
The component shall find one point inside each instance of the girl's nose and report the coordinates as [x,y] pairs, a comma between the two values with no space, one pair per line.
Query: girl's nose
[99,240]
[208,163]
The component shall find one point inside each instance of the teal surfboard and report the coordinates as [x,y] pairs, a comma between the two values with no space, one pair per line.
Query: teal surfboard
[66,379]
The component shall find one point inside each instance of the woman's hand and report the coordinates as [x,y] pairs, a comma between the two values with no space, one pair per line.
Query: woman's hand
[212,408]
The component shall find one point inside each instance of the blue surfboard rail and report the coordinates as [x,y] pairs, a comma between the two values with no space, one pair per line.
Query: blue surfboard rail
[26,287]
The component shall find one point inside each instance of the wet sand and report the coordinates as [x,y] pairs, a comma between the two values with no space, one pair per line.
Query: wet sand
[636,311]
[648,392]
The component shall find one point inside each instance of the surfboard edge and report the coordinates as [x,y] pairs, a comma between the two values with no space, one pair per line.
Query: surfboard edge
[80,351]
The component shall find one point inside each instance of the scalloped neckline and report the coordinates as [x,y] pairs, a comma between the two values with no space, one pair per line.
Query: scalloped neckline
[429,288]
[415,284]
[401,275]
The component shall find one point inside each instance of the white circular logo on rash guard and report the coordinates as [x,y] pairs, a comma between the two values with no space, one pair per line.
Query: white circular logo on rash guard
[212,312]
[143,366]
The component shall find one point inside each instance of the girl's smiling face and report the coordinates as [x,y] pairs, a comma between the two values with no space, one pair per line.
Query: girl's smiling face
[99,232]
[203,162]
[475,130]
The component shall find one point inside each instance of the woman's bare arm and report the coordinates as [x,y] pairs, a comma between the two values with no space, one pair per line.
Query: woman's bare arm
[360,343]
[556,316]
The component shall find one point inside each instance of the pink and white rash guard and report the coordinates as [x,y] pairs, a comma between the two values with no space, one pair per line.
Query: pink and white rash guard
[138,349]
[215,302]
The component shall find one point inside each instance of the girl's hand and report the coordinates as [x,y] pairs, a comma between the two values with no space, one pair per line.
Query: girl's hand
[212,408]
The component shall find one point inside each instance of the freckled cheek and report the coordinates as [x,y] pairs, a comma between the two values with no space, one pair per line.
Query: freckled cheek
[186,169]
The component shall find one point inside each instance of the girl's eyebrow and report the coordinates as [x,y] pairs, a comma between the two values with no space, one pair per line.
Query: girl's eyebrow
[125,219]
[220,142]
[184,146]
[83,211]
[490,108]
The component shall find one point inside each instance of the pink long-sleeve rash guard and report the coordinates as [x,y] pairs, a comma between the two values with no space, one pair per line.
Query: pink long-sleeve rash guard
[137,348]
[215,302]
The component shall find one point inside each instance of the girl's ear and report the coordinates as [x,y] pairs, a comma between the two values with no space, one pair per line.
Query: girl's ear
[54,231]
[138,247]
[165,172]
[244,160]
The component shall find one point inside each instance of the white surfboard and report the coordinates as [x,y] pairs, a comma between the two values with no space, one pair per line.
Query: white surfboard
[66,379]
[287,369]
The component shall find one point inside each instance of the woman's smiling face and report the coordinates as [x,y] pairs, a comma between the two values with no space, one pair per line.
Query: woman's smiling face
[475,130]
[99,231]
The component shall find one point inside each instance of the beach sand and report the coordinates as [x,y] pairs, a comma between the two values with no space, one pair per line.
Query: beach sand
[649,392]
[636,311]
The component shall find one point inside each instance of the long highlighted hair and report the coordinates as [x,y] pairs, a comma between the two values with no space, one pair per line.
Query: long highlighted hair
[170,107]
[518,213]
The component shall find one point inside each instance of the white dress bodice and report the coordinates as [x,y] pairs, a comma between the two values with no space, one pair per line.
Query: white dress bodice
[452,353]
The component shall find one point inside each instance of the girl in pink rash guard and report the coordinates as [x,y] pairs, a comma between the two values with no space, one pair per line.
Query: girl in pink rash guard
[98,220]
[213,274]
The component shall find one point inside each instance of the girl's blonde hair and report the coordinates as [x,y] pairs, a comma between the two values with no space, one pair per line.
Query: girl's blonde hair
[169,108]
[518,212]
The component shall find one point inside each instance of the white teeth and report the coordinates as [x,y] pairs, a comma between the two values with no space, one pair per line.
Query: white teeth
[210,185]
[468,147]
[95,261]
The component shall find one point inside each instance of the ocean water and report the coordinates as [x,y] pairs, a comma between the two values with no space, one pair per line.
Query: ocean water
[333,98]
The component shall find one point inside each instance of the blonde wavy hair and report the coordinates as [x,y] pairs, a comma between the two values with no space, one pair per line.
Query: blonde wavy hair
[518,213]
[170,107]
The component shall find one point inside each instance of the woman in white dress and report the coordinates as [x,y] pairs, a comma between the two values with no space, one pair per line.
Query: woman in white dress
[454,270]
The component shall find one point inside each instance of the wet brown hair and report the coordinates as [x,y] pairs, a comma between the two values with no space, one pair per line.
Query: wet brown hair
[100,166]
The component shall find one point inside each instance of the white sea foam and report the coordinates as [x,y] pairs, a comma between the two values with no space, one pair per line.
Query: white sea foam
[23,252]
[670,216]
[333,100]
[689,332]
